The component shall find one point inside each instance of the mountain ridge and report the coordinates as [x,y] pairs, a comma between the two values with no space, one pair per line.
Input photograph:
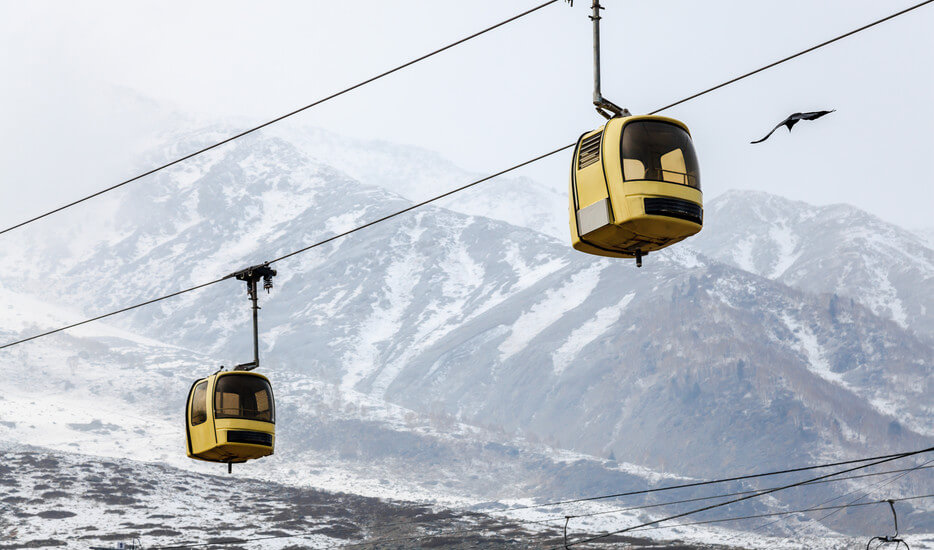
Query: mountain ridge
[475,321]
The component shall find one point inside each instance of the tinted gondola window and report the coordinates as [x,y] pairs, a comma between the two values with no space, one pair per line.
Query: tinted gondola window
[659,151]
[244,396]
[199,404]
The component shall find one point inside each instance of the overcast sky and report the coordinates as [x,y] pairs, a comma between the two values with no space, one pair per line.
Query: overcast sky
[89,85]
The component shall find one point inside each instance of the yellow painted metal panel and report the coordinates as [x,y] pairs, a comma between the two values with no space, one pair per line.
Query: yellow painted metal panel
[632,230]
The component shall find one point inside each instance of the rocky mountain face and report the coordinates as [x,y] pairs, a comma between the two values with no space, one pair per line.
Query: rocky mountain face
[418,174]
[835,249]
[750,347]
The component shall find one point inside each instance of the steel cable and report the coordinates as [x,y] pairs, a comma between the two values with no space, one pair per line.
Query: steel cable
[743,498]
[722,495]
[279,118]
[424,202]
[355,86]
[315,245]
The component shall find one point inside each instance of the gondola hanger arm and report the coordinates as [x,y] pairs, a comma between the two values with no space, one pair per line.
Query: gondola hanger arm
[251,276]
[890,538]
[606,108]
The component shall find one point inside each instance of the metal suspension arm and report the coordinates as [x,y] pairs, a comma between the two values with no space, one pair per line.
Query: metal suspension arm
[890,538]
[604,106]
[251,276]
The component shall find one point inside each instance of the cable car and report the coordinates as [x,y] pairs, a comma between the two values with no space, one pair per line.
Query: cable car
[231,417]
[635,183]
[635,187]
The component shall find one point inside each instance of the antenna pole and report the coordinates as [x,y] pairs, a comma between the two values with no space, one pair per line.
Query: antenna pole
[251,276]
[604,106]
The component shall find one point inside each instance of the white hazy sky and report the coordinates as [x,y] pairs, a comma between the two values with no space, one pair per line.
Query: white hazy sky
[88,85]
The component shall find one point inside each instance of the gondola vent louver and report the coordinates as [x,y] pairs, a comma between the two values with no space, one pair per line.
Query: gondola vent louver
[589,152]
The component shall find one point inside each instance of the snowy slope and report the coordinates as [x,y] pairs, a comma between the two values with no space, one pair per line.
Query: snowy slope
[835,249]
[926,234]
[66,501]
[418,174]
[473,324]
[73,501]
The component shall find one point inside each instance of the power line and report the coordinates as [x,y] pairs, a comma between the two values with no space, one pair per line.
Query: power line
[747,497]
[411,207]
[282,117]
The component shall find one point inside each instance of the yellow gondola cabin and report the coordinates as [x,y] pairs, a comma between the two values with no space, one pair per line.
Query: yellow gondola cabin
[635,187]
[231,417]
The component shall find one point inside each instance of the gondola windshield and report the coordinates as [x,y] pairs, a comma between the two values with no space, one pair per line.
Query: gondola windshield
[659,151]
[244,396]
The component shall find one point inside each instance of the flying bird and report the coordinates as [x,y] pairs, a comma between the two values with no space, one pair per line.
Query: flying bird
[793,119]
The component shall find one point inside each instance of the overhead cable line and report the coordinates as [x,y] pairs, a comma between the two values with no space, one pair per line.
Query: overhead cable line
[793,56]
[740,499]
[722,495]
[900,474]
[423,203]
[465,39]
[112,313]
[707,482]
[836,507]
[872,489]
[282,117]
[305,249]
[568,146]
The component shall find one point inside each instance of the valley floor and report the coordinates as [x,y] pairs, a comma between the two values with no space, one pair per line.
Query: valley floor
[55,500]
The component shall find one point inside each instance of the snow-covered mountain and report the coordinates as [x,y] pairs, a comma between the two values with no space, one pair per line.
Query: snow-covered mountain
[927,235]
[95,398]
[701,364]
[418,174]
[835,249]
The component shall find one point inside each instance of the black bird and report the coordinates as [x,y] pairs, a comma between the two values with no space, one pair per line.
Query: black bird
[793,119]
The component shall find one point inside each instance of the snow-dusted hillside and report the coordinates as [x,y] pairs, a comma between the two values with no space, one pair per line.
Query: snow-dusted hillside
[926,234]
[73,501]
[455,351]
[58,500]
[835,249]
[417,175]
